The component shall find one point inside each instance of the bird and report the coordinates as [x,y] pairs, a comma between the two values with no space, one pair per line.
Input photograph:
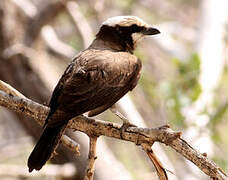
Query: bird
[94,81]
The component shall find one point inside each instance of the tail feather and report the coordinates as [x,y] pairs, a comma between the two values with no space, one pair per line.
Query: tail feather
[45,147]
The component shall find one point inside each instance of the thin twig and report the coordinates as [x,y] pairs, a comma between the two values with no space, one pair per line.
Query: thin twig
[91,158]
[134,134]
[10,90]
[161,172]
[71,144]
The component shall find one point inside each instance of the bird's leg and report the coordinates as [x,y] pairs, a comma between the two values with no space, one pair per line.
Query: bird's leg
[126,122]
[118,114]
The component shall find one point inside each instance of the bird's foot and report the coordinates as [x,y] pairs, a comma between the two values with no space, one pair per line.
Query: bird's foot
[123,128]
[126,124]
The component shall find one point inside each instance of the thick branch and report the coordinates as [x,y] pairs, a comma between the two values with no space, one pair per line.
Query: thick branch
[133,134]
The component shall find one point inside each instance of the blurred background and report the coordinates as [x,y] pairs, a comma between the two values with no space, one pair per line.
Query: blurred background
[183,83]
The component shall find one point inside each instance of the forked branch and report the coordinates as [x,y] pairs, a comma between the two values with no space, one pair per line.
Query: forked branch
[139,136]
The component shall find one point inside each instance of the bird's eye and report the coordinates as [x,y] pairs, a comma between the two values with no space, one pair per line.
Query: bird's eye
[135,28]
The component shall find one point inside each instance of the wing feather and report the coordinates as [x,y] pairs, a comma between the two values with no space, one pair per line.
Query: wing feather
[95,80]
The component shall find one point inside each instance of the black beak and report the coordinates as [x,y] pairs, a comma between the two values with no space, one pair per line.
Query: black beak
[150,31]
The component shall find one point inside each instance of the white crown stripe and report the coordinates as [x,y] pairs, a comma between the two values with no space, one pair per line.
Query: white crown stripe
[124,21]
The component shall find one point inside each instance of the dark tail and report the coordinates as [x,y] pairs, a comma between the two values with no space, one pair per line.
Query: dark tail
[45,147]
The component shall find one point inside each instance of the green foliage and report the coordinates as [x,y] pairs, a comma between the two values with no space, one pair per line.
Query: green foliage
[174,104]
[220,114]
[187,77]
[177,92]
[184,89]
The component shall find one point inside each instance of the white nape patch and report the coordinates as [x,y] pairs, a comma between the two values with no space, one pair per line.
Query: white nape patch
[124,21]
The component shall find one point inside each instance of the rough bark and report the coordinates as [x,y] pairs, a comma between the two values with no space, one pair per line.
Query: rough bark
[136,135]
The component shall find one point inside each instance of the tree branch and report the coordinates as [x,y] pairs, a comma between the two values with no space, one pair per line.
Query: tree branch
[91,158]
[133,134]
[67,141]
[161,172]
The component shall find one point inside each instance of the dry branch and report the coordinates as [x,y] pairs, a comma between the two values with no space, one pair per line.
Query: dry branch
[91,158]
[134,134]
[9,90]
[71,144]
[161,172]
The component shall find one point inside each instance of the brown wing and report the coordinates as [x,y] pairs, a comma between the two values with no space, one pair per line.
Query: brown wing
[96,79]
[53,104]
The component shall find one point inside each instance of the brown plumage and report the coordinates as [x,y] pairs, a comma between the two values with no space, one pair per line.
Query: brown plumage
[94,81]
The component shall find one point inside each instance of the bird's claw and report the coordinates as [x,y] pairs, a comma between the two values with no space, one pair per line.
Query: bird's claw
[124,126]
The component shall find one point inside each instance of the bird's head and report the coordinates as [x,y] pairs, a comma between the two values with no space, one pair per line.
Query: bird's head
[125,31]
